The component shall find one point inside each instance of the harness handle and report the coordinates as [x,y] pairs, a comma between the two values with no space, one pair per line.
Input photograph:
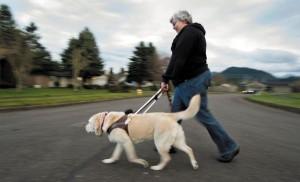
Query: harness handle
[155,97]
[152,101]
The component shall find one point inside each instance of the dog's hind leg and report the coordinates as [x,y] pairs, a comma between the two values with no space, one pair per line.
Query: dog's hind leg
[163,145]
[164,160]
[115,155]
[181,145]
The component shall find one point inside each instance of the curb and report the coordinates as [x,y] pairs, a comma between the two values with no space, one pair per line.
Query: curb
[25,108]
[286,108]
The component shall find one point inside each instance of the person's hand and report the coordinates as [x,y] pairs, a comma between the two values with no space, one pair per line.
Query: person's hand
[164,86]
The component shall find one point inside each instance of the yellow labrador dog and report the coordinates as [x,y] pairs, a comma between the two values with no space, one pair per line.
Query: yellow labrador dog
[162,127]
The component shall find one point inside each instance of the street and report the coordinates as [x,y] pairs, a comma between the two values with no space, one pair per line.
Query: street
[51,145]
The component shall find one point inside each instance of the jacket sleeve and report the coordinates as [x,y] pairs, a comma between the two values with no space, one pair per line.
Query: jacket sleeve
[180,55]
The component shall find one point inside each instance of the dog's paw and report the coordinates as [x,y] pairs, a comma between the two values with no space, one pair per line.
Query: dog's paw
[156,168]
[108,161]
[142,162]
[145,163]
[195,165]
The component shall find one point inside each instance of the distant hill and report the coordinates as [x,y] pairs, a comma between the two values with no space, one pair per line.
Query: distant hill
[240,74]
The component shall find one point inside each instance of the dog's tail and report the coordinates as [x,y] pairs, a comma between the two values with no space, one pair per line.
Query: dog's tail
[192,109]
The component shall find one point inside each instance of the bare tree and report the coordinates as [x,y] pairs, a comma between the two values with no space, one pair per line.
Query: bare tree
[156,68]
[78,64]
[19,56]
[4,52]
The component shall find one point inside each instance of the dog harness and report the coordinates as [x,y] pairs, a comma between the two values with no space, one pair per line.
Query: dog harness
[119,124]
[101,127]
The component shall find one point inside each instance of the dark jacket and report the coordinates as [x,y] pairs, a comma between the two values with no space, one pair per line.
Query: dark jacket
[188,55]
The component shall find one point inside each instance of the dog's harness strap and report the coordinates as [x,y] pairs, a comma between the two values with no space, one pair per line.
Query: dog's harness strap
[103,121]
[119,124]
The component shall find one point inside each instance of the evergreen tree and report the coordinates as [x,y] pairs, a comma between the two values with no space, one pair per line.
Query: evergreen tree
[138,65]
[42,63]
[7,28]
[66,56]
[143,65]
[90,53]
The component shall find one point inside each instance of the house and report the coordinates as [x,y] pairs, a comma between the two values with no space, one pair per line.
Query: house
[279,87]
[255,86]
[98,80]
[7,79]
[224,88]
[103,79]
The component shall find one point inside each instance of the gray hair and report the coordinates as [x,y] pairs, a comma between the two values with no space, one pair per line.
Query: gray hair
[182,15]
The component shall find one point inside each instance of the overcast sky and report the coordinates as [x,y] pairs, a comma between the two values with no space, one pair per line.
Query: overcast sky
[260,34]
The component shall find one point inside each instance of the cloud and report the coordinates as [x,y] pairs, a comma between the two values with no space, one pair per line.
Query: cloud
[46,4]
[277,62]
[262,34]
[275,56]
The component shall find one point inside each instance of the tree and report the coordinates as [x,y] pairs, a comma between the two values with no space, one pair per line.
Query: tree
[154,64]
[218,79]
[140,64]
[89,54]
[66,56]
[77,65]
[7,31]
[112,81]
[14,46]
[7,27]
[21,58]
[42,63]
[22,49]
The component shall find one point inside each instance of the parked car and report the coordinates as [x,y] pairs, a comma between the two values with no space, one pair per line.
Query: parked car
[249,91]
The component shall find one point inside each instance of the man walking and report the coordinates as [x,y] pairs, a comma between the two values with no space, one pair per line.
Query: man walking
[189,73]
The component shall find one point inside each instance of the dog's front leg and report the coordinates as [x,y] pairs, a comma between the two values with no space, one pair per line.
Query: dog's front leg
[131,155]
[115,155]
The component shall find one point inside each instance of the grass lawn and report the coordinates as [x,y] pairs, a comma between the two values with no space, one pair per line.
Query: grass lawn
[10,98]
[291,100]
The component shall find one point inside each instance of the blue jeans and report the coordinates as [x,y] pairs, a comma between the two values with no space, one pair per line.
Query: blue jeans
[199,85]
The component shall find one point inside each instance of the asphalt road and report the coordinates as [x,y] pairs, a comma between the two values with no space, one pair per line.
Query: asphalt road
[51,145]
